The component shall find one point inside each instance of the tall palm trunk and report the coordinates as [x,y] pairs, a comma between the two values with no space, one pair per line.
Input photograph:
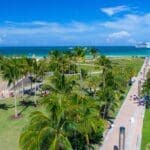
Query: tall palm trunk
[104,112]
[22,88]
[15,101]
[76,141]
[31,84]
[87,140]
[81,81]
[60,99]
[35,94]
[103,79]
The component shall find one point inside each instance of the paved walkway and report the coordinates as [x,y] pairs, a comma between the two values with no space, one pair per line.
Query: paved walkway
[131,108]
[3,89]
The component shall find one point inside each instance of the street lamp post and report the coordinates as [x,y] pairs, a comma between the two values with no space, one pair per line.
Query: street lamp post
[122,138]
[139,87]
[143,73]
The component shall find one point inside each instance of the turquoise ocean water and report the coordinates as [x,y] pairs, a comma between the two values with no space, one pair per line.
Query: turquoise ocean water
[43,51]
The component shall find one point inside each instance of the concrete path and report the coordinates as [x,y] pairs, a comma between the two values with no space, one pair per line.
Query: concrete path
[131,108]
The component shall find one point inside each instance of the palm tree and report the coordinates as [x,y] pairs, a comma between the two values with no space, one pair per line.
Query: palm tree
[93,52]
[108,101]
[105,65]
[62,62]
[68,115]
[87,122]
[60,84]
[92,85]
[79,52]
[85,115]
[47,131]
[108,88]
[30,64]
[10,73]
[23,69]
[42,135]
[42,68]
[55,54]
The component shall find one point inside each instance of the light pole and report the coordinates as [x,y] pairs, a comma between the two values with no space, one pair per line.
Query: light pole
[122,138]
[139,87]
[143,73]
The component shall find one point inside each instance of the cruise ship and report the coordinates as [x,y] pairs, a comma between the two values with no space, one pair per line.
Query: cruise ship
[143,45]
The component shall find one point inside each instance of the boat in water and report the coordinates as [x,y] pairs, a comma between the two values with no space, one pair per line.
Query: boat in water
[143,45]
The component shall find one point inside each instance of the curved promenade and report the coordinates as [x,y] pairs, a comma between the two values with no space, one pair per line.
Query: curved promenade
[133,107]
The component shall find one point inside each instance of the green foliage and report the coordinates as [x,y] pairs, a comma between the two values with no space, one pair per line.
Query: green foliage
[93,52]
[75,112]
[10,70]
[62,62]
[66,117]
[97,136]
[84,73]
[146,90]
[146,131]
[79,52]
[60,84]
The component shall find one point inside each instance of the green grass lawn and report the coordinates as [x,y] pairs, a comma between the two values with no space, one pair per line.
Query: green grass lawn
[146,132]
[122,62]
[88,68]
[10,129]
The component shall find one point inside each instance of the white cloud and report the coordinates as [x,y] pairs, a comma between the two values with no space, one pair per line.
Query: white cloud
[49,32]
[130,28]
[137,25]
[118,36]
[110,11]
[37,27]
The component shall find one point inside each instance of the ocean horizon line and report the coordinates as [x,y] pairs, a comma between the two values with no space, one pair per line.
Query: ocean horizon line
[41,51]
[72,46]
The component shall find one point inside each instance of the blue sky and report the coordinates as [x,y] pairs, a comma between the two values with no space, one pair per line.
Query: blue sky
[74,22]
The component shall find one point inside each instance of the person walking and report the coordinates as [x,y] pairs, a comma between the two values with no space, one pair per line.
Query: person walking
[131,121]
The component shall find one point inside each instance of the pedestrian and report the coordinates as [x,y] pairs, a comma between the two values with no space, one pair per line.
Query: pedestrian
[112,125]
[131,121]
[130,97]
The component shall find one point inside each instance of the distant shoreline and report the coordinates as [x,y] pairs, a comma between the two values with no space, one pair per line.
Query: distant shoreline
[87,56]
[109,51]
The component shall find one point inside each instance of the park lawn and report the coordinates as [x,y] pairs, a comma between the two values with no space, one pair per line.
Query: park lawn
[10,129]
[88,67]
[146,132]
[122,62]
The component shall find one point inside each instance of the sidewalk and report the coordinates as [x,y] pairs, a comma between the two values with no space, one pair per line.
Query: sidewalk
[130,109]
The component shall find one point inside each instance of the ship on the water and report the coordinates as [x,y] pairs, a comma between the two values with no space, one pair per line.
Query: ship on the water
[143,45]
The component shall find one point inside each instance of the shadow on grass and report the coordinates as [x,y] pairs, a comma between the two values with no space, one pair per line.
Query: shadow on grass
[5,106]
[26,104]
